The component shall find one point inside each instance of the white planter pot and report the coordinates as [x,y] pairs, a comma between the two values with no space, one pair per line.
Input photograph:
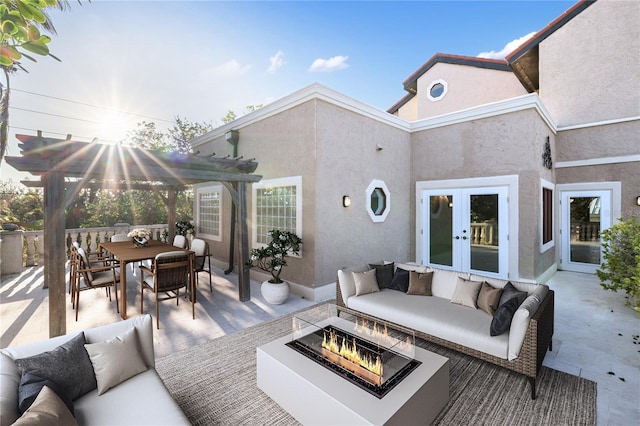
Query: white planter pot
[275,293]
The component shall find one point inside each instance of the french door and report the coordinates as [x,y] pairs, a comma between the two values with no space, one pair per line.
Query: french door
[466,230]
[585,214]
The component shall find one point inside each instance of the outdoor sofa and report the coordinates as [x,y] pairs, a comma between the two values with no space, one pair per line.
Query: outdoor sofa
[114,352]
[443,307]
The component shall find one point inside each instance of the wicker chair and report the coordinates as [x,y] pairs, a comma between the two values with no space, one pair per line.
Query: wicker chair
[169,272]
[202,255]
[97,274]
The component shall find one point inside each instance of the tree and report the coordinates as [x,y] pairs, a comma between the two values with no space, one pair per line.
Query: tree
[231,116]
[146,136]
[20,37]
[184,131]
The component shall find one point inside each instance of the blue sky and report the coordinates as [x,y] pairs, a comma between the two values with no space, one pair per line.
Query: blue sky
[201,59]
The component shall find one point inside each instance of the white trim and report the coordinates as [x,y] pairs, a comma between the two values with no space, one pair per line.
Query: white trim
[598,161]
[511,181]
[548,185]
[520,103]
[318,91]
[206,189]
[372,186]
[598,123]
[444,91]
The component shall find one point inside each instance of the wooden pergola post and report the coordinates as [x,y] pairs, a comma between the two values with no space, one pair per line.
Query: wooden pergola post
[244,278]
[55,258]
[172,200]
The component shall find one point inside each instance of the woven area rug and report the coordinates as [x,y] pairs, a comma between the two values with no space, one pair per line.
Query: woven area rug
[215,383]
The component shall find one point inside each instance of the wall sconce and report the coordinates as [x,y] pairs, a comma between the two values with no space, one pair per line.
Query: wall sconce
[638,200]
[346,201]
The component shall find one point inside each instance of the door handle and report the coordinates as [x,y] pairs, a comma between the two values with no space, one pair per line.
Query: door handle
[457,237]
[464,238]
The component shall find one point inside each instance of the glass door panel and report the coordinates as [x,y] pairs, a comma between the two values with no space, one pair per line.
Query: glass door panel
[484,247]
[440,230]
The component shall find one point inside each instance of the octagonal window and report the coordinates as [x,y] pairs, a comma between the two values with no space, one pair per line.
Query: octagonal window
[378,201]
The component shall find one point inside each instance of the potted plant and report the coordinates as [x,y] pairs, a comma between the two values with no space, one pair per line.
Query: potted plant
[184,227]
[620,269]
[272,258]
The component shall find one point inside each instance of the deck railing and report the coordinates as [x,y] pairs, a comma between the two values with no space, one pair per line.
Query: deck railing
[88,238]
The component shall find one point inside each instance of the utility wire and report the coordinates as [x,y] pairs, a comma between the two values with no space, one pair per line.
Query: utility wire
[90,105]
[55,115]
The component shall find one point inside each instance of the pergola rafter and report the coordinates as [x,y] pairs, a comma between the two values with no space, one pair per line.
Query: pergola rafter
[97,165]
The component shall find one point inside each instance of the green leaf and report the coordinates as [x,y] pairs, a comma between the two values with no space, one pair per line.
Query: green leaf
[25,9]
[36,47]
[5,61]
[33,33]
[9,27]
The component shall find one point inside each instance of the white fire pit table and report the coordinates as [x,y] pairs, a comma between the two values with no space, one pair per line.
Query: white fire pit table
[313,394]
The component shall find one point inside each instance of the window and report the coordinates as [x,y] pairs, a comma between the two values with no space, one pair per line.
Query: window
[547,211]
[378,201]
[276,204]
[437,90]
[209,212]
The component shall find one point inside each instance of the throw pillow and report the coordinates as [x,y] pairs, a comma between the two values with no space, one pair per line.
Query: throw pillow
[400,280]
[489,298]
[509,291]
[466,293]
[31,385]
[365,282]
[384,274]
[502,318]
[116,360]
[68,366]
[420,284]
[47,410]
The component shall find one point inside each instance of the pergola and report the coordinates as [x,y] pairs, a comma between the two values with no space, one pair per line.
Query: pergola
[57,161]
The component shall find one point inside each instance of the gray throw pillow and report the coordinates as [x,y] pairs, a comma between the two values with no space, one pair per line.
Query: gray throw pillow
[502,318]
[509,291]
[31,385]
[400,280]
[489,298]
[384,274]
[68,366]
[420,284]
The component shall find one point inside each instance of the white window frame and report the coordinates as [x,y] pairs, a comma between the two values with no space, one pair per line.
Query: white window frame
[274,183]
[444,91]
[204,190]
[372,187]
[545,184]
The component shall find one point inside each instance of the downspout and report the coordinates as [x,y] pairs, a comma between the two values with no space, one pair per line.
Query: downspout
[233,138]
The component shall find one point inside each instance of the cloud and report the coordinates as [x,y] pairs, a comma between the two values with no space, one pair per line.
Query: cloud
[276,62]
[508,48]
[336,63]
[230,69]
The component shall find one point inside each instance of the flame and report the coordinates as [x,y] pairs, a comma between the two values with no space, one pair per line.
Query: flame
[351,352]
[380,334]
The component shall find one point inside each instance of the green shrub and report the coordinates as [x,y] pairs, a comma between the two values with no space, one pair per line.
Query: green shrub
[620,269]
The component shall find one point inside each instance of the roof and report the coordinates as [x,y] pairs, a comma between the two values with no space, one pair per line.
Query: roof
[411,83]
[524,60]
[120,163]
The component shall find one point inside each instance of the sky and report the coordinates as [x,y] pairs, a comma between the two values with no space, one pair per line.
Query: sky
[123,62]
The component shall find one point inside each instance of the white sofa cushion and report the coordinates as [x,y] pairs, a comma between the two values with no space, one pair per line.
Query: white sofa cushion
[520,321]
[435,316]
[345,278]
[444,282]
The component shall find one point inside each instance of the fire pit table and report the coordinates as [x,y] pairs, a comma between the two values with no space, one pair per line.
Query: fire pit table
[349,370]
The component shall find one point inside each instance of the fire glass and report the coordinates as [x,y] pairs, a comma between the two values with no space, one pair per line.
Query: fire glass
[367,353]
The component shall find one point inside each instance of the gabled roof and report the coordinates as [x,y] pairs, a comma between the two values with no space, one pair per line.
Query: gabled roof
[524,60]
[411,83]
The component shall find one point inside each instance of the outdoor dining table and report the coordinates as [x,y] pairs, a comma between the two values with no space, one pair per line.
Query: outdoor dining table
[127,252]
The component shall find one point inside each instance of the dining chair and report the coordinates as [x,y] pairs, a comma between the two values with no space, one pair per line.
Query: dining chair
[180,241]
[120,237]
[169,272]
[201,249]
[98,275]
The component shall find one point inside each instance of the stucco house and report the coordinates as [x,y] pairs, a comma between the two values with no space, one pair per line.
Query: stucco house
[508,168]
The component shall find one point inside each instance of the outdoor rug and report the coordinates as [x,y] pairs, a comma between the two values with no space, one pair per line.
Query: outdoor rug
[215,384]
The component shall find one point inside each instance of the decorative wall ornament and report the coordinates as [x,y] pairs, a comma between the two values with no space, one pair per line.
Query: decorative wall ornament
[546,155]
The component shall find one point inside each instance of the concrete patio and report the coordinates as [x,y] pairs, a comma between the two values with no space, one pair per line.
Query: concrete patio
[596,335]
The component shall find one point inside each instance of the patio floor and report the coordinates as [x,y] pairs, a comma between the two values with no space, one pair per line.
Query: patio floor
[595,333]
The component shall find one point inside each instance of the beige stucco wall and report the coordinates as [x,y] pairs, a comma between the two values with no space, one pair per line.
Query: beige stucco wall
[347,162]
[334,150]
[589,67]
[595,142]
[504,145]
[409,111]
[467,87]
